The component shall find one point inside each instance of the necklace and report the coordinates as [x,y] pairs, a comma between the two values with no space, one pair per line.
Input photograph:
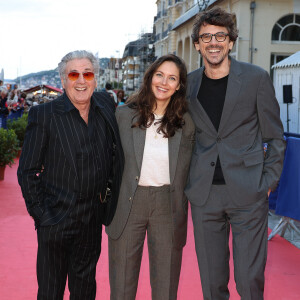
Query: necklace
[155,124]
[154,128]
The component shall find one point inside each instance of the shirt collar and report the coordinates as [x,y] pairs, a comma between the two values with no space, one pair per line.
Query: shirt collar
[70,106]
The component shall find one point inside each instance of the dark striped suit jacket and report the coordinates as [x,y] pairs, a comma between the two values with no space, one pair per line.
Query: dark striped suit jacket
[47,169]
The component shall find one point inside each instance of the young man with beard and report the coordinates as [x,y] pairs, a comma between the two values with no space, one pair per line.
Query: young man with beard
[235,111]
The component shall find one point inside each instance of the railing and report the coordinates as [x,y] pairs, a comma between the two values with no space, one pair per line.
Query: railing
[165,34]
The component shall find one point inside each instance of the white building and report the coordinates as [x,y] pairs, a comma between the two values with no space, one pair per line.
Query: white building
[269,30]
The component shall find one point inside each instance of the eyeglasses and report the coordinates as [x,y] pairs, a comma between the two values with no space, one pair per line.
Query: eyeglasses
[220,37]
[86,75]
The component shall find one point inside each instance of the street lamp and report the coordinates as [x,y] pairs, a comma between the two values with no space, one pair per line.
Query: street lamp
[117,66]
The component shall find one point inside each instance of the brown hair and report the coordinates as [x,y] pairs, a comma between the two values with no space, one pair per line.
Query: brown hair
[218,17]
[144,100]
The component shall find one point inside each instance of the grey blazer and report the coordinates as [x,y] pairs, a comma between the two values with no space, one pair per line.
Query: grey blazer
[180,152]
[250,117]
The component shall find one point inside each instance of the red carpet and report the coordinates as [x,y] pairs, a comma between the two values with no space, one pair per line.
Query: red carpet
[18,254]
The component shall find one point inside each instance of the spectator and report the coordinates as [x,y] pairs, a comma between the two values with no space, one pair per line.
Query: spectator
[3,107]
[108,89]
[121,97]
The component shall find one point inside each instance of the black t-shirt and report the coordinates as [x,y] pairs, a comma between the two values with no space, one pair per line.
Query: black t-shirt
[211,95]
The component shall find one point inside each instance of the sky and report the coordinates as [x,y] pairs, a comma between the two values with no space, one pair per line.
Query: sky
[36,34]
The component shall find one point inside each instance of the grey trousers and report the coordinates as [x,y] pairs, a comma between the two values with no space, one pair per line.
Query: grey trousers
[151,213]
[249,225]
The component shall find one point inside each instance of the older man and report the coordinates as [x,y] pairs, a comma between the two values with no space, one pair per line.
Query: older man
[71,151]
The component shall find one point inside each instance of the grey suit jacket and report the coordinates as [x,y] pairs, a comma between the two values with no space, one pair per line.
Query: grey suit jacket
[250,117]
[180,152]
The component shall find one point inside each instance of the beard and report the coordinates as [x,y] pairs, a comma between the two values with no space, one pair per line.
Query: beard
[215,62]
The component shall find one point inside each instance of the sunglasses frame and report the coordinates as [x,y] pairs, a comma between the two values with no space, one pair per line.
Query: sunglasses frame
[84,74]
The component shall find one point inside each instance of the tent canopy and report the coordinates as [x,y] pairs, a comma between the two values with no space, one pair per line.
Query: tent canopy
[291,61]
[47,88]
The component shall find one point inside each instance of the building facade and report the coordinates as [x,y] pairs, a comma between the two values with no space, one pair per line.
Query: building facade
[110,72]
[136,59]
[269,31]
[168,11]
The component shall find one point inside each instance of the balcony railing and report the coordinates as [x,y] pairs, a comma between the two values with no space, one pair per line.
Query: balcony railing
[165,34]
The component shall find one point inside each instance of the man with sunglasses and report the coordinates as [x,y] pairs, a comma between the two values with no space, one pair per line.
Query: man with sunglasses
[235,111]
[71,151]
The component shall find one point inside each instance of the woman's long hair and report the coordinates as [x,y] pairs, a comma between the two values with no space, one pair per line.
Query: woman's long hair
[145,103]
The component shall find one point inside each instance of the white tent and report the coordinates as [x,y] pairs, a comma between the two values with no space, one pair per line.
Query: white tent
[287,72]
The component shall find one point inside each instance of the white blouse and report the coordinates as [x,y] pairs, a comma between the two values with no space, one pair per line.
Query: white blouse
[155,165]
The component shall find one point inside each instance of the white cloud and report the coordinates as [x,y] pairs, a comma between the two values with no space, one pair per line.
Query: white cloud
[36,34]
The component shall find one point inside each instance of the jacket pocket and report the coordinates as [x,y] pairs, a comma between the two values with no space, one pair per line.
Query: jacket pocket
[253,158]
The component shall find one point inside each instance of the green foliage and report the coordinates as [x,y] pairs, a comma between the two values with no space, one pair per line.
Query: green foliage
[8,146]
[117,85]
[19,126]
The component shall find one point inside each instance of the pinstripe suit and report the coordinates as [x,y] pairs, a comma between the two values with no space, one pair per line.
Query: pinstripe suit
[53,196]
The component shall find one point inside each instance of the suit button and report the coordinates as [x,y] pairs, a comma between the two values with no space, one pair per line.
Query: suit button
[218,139]
[130,199]
[136,178]
[212,163]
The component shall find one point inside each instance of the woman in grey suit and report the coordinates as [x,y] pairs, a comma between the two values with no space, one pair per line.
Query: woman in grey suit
[157,136]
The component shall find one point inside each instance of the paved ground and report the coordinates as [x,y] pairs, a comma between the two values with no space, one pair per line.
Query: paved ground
[290,235]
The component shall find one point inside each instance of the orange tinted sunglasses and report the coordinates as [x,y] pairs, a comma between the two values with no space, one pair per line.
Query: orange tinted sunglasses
[86,75]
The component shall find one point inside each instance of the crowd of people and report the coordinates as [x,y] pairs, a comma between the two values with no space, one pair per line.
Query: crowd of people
[14,102]
[197,137]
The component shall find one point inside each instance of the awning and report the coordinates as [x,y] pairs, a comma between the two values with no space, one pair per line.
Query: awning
[47,88]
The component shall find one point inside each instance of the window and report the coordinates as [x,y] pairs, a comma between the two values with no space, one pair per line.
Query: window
[287,29]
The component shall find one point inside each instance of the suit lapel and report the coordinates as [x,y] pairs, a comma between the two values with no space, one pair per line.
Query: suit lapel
[232,92]
[195,104]
[139,137]
[64,131]
[174,143]
[108,117]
